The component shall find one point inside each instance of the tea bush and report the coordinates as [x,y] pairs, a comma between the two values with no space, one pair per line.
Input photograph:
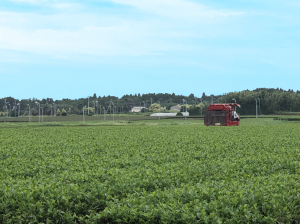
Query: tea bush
[150,174]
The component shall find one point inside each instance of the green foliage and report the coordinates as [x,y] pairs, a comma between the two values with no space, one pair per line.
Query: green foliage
[150,174]
[194,111]
[90,111]
[58,112]
[155,108]
[64,112]
[272,101]
[183,108]
[69,111]
[179,114]
[169,105]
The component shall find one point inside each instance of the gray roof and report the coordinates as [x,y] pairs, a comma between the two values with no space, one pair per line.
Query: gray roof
[137,109]
[177,107]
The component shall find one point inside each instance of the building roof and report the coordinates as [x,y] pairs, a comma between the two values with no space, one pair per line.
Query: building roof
[177,107]
[185,114]
[136,109]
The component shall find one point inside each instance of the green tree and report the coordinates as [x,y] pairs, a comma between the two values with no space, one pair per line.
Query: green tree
[91,111]
[155,108]
[58,112]
[194,111]
[64,112]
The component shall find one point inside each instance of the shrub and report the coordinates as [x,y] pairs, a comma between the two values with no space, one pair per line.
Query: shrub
[63,112]
[58,112]
[194,110]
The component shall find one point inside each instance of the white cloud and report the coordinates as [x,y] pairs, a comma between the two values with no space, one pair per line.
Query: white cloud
[64,34]
[297,3]
[30,1]
[66,6]
[56,4]
[177,8]
[67,34]
[270,62]
[122,40]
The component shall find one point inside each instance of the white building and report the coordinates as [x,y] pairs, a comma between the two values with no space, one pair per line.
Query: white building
[185,114]
[137,109]
[177,107]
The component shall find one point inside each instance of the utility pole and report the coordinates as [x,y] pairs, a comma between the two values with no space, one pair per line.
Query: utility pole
[144,109]
[235,103]
[159,109]
[201,108]
[88,106]
[97,108]
[185,107]
[39,111]
[83,119]
[256,106]
[54,110]
[113,111]
[212,99]
[19,109]
[117,109]
[9,109]
[110,107]
[94,107]
[5,107]
[29,113]
[259,106]
[14,108]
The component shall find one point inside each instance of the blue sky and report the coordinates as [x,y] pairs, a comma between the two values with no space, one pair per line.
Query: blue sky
[72,49]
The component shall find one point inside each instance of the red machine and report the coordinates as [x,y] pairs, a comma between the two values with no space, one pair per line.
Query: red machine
[222,115]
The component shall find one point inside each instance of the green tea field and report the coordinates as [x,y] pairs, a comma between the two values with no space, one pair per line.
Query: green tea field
[150,174]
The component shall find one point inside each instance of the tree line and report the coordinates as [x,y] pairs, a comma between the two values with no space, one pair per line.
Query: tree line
[271,101]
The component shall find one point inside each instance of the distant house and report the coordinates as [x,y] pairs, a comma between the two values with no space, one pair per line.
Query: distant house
[136,109]
[177,107]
